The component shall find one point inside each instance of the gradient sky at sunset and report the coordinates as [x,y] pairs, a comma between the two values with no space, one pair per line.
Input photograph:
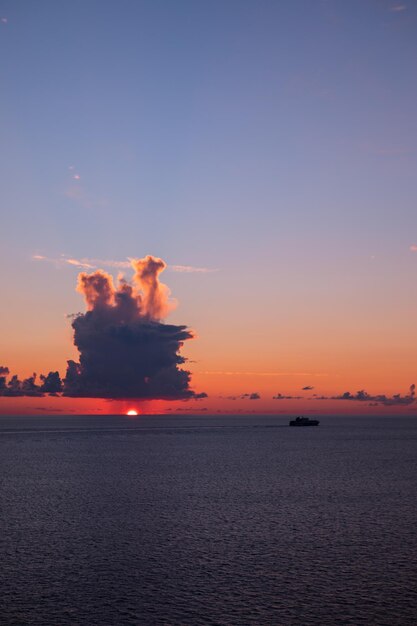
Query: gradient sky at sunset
[272,146]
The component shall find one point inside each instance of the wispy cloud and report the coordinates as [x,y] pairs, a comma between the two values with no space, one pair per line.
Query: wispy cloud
[237,373]
[87,263]
[413,248]
[81,196]
[397,8]
[110,263]
[63,260]
[189,269]
[79,263]
[386,150]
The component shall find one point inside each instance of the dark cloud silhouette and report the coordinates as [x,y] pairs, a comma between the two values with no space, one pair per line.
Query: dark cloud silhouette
[361,396]
[244,396]
[374,400]
[51,384]
[279,396]
[251,396]
[125,349]
[3,375]
[307,388]
[16,387]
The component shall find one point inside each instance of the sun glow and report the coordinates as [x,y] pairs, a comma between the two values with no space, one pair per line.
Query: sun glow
[132,412]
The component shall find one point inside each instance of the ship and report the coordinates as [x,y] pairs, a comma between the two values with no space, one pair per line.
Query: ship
[304,421]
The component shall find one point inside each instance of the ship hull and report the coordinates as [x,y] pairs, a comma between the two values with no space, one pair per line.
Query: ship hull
[302,423]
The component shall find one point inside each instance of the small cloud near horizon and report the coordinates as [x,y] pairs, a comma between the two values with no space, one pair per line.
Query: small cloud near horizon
[375,400]
[244,396]
[252,396]
[361,396]
[280,396]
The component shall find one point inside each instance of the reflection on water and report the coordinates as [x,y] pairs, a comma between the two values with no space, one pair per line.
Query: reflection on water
[214,520]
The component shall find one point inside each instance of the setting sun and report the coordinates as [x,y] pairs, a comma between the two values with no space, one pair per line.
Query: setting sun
[132,412]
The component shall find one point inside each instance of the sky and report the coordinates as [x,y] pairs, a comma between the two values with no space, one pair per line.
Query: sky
[265,150]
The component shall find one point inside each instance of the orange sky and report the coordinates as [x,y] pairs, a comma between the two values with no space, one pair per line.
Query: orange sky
[278,350]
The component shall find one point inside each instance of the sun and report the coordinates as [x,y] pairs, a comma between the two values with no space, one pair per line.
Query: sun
[132,412]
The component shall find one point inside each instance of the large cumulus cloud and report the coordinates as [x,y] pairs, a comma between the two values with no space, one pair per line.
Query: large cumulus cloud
[125,349]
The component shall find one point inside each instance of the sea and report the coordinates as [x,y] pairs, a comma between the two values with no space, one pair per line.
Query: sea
[173,520]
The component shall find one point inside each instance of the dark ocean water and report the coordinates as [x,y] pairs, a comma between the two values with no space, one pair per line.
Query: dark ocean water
[214,520]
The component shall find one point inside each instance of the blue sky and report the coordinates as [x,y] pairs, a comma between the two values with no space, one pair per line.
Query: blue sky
[201,120]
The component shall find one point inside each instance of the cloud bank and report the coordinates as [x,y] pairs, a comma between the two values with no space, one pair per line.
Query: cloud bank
[360,396]
[50,384]
[363,396]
